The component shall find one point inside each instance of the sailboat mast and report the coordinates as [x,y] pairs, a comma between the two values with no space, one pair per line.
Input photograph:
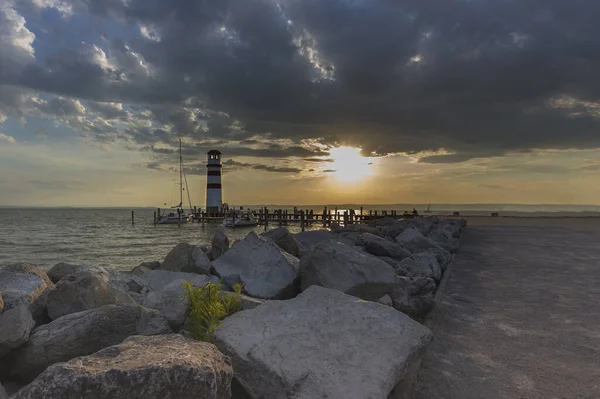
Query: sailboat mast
[180,176]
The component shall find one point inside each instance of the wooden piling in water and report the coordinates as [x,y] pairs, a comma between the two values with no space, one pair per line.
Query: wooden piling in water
[132,218]
[154,218]
[302,220]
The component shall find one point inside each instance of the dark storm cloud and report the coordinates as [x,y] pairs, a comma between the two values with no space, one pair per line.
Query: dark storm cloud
[475,78]
[278,152]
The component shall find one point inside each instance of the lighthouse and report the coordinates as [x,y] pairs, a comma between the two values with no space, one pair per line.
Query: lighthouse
[214,195]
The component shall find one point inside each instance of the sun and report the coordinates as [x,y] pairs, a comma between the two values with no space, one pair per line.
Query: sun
[348,165]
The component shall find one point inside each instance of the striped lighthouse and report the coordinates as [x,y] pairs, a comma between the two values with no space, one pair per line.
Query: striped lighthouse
[214,195]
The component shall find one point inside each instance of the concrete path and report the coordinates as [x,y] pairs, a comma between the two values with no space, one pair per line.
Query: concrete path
[519,318]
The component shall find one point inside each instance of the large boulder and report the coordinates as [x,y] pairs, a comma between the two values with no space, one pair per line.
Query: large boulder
[414,241]
[220,243]
[84,290]
[28,289]
[28,268]
[3,394]
[81,334]
[166,366]
[322,344]
[62,269]
[264,270]
[443,257]
[419,265]
[284,240]
[187,258]
[154,265]
[333,264]
[15,326]
[308,240]
[379,246]
[414,296]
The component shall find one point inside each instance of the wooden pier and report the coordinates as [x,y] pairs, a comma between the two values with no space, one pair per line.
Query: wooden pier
[304,217]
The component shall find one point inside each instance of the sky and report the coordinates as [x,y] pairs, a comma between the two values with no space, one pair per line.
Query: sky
[310,101]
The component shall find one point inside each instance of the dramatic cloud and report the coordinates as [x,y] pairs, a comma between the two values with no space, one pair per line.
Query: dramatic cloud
[445,80]
[266,168]
[6,138]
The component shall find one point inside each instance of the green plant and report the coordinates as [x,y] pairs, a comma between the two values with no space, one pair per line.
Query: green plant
[208,307]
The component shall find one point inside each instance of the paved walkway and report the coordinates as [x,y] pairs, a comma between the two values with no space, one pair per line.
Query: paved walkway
[520,317]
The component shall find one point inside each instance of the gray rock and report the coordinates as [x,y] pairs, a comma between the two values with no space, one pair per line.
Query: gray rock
[220,243]
[156,280]
[308,240]
[166,366]
[335,265]
[187,258]
[29,289]
[148,265]
[444,237]
[84,290]
[385,300]
[381,247]
[415,242]
[414,296]
[419,265]
[284,240]
[3,394]
[62,269]
[443,257]
[81,334]
[28,268]
[322,344]
[264,269]
[15,326]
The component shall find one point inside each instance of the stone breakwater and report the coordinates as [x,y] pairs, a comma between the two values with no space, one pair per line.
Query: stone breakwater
[328,314]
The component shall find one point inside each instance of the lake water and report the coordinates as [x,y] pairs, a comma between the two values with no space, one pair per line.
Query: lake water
[105,237]
[101,237]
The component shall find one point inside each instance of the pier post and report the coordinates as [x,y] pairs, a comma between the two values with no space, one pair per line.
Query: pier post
[132,219]
[336,215]
[345,218]
[324,217]
[154,218]
[302,220]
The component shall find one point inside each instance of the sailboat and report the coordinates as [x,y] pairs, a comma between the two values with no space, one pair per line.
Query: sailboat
[428,209]
[178,216]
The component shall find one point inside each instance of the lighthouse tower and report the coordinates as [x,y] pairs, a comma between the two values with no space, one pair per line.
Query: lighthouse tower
[214,195]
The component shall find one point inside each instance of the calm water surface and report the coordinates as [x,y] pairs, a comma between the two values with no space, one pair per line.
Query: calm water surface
[102,237]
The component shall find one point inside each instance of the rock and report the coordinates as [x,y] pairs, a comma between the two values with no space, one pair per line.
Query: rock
[158,279]
[187,258]
[28,268]
[351,239]
[220,243]
[62,269]
[444,237]
[3,394]
[148,265]
[15,326]
[419,265]
[414,296]
[264,269]
[385,300]
[1,302]
[84,290]
[284,240]
[335,265]
[381,247]
[322,344]
[29,289]
[415,242]
[308,240]
[81,334]
[443,257]
[250,303]
[166,366]
[356,228]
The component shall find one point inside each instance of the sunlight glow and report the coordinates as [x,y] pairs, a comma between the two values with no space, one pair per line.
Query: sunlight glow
[349,165]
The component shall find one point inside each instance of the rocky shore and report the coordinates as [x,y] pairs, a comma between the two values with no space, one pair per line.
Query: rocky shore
[326,314]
